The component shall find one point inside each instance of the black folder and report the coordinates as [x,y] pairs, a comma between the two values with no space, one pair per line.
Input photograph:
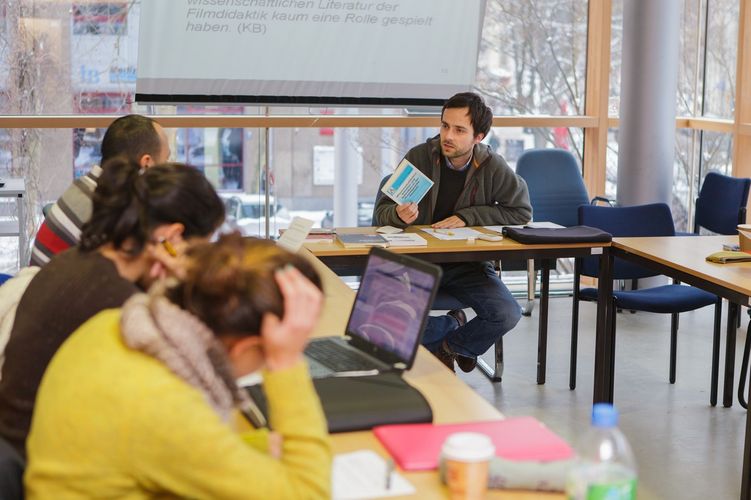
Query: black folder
[543,235]
[360,403]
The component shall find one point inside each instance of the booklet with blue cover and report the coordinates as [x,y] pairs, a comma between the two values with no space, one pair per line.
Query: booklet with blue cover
[407,184]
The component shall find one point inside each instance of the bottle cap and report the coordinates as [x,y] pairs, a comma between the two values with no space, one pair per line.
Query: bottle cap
[468,447]
[604,415]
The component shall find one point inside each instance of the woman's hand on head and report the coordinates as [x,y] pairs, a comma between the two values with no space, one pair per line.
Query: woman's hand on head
[284,339]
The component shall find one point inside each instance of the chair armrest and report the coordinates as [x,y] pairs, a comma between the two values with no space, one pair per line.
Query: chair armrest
[602,199]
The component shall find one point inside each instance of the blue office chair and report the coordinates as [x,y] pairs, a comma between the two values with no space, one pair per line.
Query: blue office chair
[556,190]
[643,220]
[46,209]
[721,204]
[444,301]
[556,186]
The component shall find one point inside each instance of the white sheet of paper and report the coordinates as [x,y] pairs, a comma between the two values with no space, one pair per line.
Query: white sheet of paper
[537,225]
[459,233]
[544,224]
[295,235]
[362,474]
[405,240]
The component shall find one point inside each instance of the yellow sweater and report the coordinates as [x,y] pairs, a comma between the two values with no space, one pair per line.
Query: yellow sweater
[113,422]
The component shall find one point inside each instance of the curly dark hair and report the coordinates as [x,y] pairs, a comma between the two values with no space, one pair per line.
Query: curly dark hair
[230,284]
[130,202]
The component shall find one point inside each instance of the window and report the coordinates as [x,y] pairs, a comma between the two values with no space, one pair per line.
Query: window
[532,57]
[100,19]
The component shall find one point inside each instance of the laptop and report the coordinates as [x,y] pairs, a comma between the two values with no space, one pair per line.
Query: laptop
[386,321]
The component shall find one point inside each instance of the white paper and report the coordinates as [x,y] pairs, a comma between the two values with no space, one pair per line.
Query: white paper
[295,235]
[536,225]
[544,224]
[407,184]
[362,474]
[405,240]
[458,233]
[389,230]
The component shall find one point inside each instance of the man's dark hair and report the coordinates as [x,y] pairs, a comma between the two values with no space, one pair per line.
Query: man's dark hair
[480,114]
[131,136]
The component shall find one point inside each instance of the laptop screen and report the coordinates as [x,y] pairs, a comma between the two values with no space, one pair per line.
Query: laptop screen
[394,299]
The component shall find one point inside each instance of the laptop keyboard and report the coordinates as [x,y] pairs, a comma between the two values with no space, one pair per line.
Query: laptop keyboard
[338,359]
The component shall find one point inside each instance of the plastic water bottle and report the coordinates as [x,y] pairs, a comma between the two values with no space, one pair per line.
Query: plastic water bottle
[605,468]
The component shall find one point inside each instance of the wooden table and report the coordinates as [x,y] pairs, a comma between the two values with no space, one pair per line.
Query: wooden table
[450,399]
[352,260]
[684,258]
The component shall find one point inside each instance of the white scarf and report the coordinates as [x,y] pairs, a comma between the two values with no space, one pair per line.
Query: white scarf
[150,323]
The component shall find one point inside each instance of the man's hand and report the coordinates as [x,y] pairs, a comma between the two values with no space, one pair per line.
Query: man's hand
[407,212]
[284,340]
[449,223]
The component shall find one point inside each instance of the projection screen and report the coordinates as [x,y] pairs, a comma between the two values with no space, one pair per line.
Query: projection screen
[365,52]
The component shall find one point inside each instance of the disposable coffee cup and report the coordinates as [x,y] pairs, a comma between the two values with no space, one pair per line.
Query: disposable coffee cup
[744,237]
[466,456]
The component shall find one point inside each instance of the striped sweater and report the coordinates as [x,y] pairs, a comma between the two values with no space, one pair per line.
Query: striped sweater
[61,228]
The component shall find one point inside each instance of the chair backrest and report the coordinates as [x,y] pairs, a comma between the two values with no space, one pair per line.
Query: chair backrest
[46,209]
[11,472]
[721,204]
[654,219]
[556,187]
[378,196]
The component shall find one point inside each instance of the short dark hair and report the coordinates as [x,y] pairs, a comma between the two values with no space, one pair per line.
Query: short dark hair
[130,202]
[131,136]
[480,114]
[229,285]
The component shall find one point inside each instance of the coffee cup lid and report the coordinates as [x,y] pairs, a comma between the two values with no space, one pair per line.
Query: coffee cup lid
[468,447]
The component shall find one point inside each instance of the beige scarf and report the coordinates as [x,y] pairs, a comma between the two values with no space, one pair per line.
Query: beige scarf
[152,324]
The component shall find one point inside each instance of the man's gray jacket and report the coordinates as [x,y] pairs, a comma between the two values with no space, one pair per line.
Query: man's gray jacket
[493,194]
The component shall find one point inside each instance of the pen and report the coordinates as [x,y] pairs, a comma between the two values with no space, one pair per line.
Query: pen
[356,373]
[169,248]
[445,231]
[389,472]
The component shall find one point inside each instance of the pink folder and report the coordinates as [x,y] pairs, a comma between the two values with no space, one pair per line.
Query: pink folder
[418,446]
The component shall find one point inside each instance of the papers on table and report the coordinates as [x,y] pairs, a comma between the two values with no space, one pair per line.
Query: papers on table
[407,184]
[363,474]
[536,225]
[405,240]
[544,224]
[459,233]
[295,235]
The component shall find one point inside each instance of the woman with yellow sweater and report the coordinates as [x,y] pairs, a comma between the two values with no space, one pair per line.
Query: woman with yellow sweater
[140,402]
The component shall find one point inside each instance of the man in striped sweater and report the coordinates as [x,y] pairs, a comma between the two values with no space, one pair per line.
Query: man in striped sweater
[137,137]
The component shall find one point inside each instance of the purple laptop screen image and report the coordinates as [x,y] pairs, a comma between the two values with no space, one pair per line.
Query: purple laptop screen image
[390,306]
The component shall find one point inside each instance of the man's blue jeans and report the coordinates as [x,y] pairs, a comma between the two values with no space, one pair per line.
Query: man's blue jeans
[476,285]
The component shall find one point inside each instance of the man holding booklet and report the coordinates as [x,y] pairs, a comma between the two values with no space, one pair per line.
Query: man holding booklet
[473,186]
